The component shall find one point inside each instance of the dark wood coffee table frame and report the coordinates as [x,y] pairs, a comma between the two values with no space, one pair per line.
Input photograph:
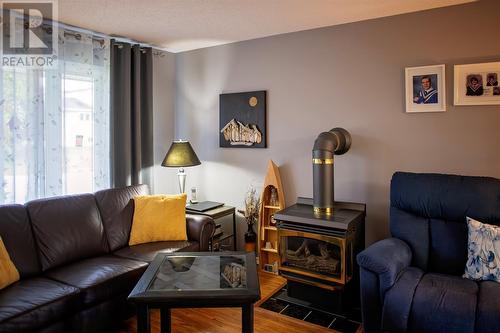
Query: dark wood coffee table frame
[165,300]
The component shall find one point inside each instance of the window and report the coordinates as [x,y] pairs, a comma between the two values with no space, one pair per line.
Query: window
[54,124]
[78,149]
[18,133]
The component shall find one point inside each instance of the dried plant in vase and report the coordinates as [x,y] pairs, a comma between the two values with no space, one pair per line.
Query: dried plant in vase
[251,214]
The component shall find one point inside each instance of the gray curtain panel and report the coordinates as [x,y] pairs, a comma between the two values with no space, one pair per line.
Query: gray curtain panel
[131,114]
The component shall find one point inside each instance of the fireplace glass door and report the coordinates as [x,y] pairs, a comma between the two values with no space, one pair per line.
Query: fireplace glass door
[312,255]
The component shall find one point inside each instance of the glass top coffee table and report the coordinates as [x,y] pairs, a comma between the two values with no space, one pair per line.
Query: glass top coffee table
[197,280]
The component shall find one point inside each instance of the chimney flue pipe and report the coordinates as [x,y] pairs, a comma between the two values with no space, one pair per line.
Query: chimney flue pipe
[337,141]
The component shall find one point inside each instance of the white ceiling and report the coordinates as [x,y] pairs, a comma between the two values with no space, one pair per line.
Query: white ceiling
[181,25]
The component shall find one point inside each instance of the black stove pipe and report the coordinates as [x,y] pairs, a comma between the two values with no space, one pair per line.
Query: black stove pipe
[337,141]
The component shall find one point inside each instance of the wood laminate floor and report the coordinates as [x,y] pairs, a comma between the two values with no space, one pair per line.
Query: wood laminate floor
[228,320]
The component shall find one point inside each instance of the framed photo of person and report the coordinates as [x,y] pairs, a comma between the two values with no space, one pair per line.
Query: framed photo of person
[477,84]
[425,89]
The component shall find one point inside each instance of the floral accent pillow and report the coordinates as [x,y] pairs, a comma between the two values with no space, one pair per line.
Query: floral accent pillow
[483,262]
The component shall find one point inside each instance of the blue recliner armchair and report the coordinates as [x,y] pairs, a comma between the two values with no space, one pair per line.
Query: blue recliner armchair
[413,281]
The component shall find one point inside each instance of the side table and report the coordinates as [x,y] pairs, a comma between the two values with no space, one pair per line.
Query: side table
[217,213]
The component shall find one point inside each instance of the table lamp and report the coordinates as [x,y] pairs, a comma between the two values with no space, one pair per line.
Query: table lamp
[181,155]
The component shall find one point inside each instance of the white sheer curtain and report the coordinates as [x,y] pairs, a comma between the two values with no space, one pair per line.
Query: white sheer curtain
[54,123]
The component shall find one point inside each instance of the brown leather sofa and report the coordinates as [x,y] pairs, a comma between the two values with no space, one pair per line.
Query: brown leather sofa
[75,264]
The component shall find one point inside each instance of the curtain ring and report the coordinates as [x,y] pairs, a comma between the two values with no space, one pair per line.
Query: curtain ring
[74,34]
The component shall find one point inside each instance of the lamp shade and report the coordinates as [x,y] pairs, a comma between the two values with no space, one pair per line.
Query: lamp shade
[180,154]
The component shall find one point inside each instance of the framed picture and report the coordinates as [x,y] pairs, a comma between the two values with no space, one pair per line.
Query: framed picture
[242,120]
[477,84]
[425,89]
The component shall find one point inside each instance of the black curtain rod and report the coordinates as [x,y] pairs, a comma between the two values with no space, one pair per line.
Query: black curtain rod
[120,46]
[47,26]
[78,36]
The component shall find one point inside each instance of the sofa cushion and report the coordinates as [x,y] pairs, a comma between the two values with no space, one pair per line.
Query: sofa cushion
[15,230]
[414,231]
[147,252]
[442,202]
[100,278]
[159,218]
[67,229]
[117,209]
[447,197]
[8,272]
[444,303]
[483,262]
[448,250]
[488,305]
[34,303]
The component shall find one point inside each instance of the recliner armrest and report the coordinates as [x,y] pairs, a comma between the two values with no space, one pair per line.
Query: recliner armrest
[386,258]
[200,228]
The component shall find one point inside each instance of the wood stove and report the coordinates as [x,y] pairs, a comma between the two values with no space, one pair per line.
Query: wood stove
[319,238]
[320,249]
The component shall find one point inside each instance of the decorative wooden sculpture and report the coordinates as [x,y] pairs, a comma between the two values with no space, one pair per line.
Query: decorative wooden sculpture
[272,200]
[238,134]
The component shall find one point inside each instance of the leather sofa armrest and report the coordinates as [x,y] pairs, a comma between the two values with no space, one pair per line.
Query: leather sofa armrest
[200,228]
[387,259]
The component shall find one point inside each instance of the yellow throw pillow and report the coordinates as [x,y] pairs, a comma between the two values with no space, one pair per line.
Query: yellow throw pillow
[158,218]
[8,272]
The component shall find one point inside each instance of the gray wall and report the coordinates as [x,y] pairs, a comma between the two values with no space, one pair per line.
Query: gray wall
[163,117]
[350,76]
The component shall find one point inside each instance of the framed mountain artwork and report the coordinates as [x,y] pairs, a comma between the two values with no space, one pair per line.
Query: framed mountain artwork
[242,120]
